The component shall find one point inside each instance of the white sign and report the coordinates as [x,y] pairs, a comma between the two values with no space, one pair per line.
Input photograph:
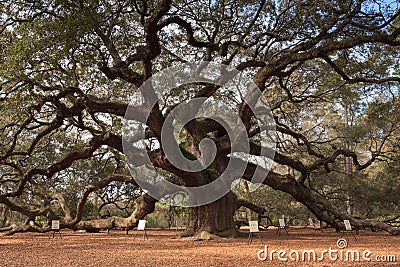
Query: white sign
[282,223]
[55,225]
[347,225]
[253,226]
[141,225]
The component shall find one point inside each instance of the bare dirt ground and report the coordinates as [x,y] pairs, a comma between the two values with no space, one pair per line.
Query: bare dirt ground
[163,249]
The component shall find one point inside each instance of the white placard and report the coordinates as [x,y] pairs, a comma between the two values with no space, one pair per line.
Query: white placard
[253,226]
[141,225]
[55,225]
[282,223]
[310,221]
[347,225]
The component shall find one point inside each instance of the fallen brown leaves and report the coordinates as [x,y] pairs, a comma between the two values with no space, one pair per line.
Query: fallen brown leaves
[162,249]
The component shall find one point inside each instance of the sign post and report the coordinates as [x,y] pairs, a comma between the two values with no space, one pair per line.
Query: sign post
[55,228]
[141,227]
[254,229]
[348,229]
[282,225]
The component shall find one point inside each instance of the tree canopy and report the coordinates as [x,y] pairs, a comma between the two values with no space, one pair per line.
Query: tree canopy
[329,71]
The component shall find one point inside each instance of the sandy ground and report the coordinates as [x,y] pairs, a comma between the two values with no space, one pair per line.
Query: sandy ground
[163,249]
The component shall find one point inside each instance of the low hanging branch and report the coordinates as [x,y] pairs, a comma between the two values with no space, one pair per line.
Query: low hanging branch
[261,211]
[144,205]
[315,202]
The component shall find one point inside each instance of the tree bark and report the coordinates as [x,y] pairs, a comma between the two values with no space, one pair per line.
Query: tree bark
[214,218]
[96,213]
[144,205]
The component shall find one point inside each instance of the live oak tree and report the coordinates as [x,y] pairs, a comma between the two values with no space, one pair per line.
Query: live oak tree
[69,67]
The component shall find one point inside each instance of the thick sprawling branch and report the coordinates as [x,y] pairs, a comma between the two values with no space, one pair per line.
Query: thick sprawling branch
[93,187]
[315,202]
[63,164]
[257,209]
[189,32]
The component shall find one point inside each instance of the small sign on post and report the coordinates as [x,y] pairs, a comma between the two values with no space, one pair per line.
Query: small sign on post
[254,229]
[55,228]
[141,227]
[55,225]
[347,225]
[253,226]
[282,225]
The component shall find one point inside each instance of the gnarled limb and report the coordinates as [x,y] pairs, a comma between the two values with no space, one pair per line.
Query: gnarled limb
[144,205]
[315,202]
[261,211]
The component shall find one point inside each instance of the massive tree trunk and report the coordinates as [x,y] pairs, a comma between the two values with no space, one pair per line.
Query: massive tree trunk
[214,218]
